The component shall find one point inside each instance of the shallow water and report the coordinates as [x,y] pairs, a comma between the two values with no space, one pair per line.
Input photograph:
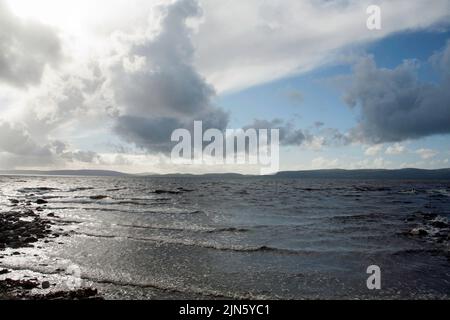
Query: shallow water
[238,238]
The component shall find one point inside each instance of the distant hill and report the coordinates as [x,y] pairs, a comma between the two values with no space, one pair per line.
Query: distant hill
[98,173]
[400,174]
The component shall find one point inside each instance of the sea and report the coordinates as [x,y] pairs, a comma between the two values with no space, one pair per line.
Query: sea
[237,238]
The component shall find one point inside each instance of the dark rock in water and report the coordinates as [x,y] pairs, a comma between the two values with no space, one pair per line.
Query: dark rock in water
[45,285]
[29,212]
[31,239]
[100,197]
[429,216]
[165,192]
[16,232]
[41,201]
[14,201]
[439,224]
[4,271]
[51,215]
[9,284]
[419,232]
[80,294]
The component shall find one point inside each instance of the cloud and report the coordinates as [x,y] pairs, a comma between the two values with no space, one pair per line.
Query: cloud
[373,150]
[373,163]
[26,47]
[319,124]
[288,134]
[155,84]
[324,163]
[395,149]
[334,137]
[426,153]
[245,43]
[79,156]
[395,105]
[441,61]
[19,149]
[15,139]
[154,134]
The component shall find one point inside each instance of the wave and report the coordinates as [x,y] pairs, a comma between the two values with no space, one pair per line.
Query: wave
[228,229]
[206,245]
[80,189]
[37,190]
[123,210]
[193,228]
[432,251]
[371,188]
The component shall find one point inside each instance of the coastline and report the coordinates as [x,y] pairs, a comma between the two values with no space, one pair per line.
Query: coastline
[26,226]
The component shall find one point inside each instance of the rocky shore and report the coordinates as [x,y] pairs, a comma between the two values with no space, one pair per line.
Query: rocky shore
[25,225]
[430,226]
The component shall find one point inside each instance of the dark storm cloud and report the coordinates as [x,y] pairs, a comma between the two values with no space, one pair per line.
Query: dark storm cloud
[289,135]
[157,86]
[154,134]
[395,105]
[26,47]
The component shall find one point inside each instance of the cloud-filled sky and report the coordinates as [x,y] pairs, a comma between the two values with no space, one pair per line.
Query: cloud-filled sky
[102,84]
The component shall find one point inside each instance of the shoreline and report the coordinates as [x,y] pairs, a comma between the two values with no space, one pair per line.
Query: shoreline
[26,226]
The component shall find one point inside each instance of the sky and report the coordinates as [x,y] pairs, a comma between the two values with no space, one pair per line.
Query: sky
[103,84]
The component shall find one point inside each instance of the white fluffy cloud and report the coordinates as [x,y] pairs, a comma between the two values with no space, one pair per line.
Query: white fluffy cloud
[426,153]
[373,150]
[395,149]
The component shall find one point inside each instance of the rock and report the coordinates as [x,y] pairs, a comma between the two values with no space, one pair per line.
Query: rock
[51,215]
[419,232]
[4,271]
[166,192]
[31,239]
[29,212]
[41,201]
[439,224]
[14,201]
[99,197]
[429,216]
[45,285]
